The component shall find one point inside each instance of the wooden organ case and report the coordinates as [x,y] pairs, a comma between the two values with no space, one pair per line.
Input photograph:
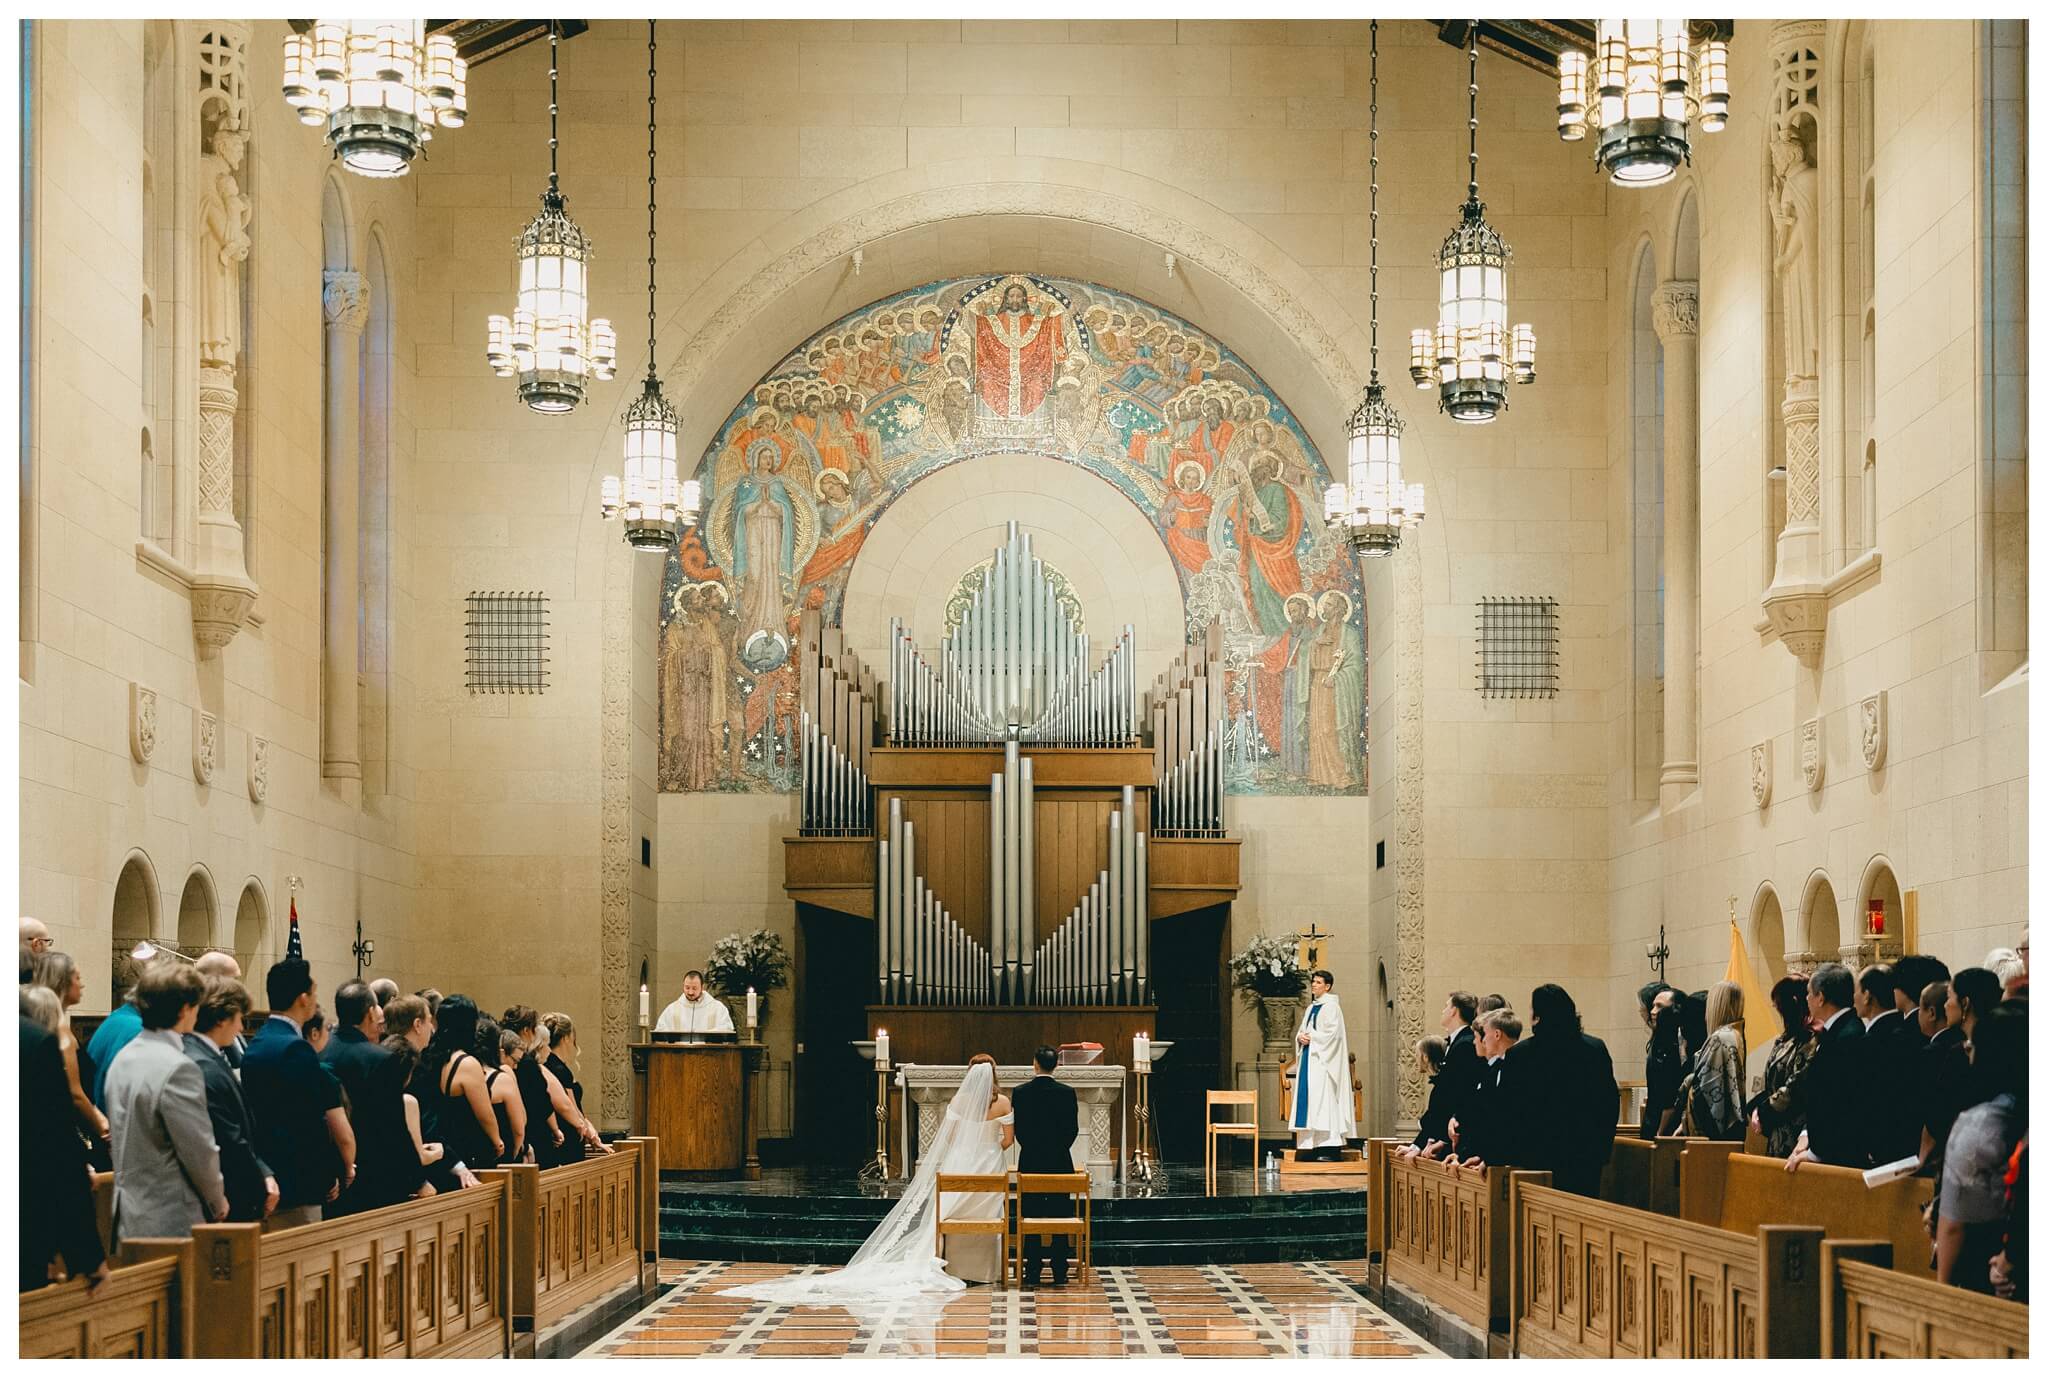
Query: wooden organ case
[1012,814]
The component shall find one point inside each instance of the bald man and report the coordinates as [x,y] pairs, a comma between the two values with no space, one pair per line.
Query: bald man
[383,990]
[223,966]
[34,936]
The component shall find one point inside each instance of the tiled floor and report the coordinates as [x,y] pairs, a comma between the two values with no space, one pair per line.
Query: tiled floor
[1252,1310]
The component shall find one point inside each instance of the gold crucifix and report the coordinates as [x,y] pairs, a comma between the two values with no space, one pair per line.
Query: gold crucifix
[1309,948]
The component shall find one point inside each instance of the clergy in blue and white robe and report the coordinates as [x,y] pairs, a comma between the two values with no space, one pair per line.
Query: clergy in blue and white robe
[1321,1115]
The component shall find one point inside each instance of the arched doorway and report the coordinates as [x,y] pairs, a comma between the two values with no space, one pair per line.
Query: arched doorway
[135,919]
[197,907]
[1821,919]
[252,927]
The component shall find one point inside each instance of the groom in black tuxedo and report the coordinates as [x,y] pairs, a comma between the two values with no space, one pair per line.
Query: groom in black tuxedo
[1048,1121]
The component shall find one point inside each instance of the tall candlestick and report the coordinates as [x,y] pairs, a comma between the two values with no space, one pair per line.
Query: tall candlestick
[643,1004]
[881,1047]
[753,1008]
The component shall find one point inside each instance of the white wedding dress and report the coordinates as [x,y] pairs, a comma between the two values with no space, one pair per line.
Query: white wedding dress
[900,1258]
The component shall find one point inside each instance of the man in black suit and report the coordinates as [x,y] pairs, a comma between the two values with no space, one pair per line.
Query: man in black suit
[1892,1047]
[388,1167]
[1048,1121]
[301,1130]
[250,1185]
[1461,1070]
[1488,1124]
[1836,1120]
[57,1217]
[1571,1102]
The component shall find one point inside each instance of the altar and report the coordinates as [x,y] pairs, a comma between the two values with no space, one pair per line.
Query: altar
[927,1089]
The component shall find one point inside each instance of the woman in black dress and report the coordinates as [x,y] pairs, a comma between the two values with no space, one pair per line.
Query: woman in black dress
[497,1049]
[455,1104]
[543,1132]
[558,1042]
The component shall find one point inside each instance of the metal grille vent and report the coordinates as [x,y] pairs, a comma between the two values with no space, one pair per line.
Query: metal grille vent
[1518,648]
[507,643]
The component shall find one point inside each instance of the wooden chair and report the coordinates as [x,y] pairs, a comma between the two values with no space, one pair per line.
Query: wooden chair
[1213,1128]
[976,1183]
[1080,1224]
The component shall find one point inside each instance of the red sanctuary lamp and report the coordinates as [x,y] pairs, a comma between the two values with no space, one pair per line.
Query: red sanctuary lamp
[1876,920]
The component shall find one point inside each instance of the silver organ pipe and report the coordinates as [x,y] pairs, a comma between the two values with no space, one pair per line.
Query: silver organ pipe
[1187,710]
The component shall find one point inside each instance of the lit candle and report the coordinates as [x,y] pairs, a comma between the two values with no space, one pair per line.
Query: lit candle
[643,1004]
[882,1048]
[1141,1051]
[753,1008]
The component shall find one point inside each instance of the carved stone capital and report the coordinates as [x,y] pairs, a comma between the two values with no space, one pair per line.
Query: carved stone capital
[220,606]
[1675,308]
[345,301]
[141,722]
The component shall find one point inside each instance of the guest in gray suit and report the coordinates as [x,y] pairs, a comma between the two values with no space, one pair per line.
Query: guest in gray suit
[167,1175]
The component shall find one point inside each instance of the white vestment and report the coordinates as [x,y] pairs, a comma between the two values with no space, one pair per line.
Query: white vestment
[1321,1113]
[703,1015]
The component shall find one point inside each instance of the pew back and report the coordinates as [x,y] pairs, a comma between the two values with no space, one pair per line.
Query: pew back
[577,1231]
[1740,1192]
[1643,1174]
[421,1279]
[142,1311]
[1871,1311]
[1595,1280]
[1445,1234]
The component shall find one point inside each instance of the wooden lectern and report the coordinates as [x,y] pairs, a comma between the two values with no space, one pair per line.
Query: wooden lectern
[697,1098]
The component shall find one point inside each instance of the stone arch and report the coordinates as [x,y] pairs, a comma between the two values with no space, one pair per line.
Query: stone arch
[135,917]
[1879,883]
[337,236]
[1685,232]
[1078,523]
[198,912]
[252,926]
[1820,919]
[1767,933]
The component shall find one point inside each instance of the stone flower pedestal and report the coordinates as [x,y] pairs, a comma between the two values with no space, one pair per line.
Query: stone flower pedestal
[1278,1015]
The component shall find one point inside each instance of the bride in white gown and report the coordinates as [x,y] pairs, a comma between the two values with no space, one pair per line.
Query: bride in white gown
[900,1257]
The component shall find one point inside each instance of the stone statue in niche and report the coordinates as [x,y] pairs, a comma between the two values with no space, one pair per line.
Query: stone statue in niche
[224,213]
[1795,251]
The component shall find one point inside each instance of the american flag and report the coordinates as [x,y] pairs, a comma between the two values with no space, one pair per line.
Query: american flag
[293,948]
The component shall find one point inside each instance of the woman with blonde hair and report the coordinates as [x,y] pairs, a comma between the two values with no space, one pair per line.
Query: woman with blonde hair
[58,974]
[1717,1099]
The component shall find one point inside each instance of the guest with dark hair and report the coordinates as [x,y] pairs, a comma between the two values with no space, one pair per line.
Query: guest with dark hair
[1911,975]
[166,1167]
[1435,1129]
[1048,1120]
[301,1129]
[1778,1111]
[502,1086]
[55,1183]
[1461,1070]
[1972,993]
[1567,1090]
[388,1169]
[1489,1003]
[1692,1026]
[1648,998]
[315,1030]
[1836,1121]
[1892,1050]
[1663,1068]
[1972,1198]
[1944,1068]
[251,1186]
[545,1134]
[454,1101]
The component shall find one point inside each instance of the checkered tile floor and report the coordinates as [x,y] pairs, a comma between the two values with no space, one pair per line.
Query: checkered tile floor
[1253,1310]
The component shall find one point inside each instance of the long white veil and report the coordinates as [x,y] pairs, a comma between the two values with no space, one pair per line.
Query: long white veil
[900,1257]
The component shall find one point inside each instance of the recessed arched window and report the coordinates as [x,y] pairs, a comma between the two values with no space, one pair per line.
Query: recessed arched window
[197,907]
[1646,525]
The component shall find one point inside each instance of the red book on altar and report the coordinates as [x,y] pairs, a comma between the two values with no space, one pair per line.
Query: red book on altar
[1080,1054]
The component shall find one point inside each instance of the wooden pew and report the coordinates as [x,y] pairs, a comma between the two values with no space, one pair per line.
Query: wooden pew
[1869,1310]
[103,1209]
[1643,1174]
[421,1279]
[142,1311]
[1719,1185]
[1594,1280]
[580,1233]
[1444,1234]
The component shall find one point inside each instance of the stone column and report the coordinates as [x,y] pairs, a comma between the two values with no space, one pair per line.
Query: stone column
[346,305]
[222,593]
[1675,308]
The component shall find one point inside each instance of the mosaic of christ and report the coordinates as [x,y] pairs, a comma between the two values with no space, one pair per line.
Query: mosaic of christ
[1079,374]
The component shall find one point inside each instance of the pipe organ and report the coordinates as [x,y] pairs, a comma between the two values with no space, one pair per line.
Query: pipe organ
[1003,806]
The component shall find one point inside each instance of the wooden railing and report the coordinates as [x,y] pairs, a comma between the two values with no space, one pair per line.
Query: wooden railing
[1594,1280]
[421,1279]
[1643,1173]
[142,1311]
[1739,1191]
[581,1232]
[1871,1311]
[1444,1233]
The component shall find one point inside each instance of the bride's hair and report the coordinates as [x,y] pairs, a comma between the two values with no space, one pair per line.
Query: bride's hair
[994,1090]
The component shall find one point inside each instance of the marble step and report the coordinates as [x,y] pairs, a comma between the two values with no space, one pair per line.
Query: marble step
[1232,1248]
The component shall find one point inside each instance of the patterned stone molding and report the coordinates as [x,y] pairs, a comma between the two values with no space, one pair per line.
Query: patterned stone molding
[1409,999]
[205,745]
[1760,773]
[141,723]
[616,845]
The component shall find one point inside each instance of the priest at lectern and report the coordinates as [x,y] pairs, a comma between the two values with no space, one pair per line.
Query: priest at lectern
[1321,1116]
[694,1012]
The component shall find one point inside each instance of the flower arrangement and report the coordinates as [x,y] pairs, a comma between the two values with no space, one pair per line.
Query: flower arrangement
[740,960]
[1267,968]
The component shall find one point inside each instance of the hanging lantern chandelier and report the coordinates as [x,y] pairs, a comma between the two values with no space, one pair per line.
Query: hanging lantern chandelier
[654,505]
[548,341]
[1470,355]
[1641,89]
[1375,506]
[381,86]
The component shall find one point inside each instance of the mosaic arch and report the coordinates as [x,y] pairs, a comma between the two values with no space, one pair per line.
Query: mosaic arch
[1072,371]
